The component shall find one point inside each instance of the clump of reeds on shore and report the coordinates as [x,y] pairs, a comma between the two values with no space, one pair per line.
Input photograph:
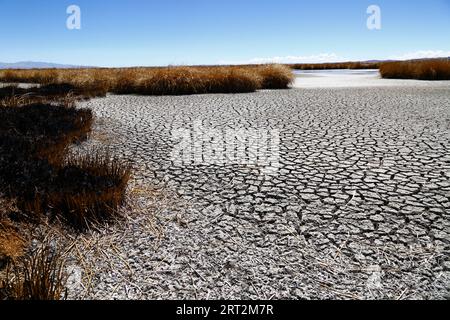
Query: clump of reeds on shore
[438,69]
[336,65]
[38,275]
[34,169]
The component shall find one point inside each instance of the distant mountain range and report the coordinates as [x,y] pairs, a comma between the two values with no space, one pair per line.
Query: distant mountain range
[36,65]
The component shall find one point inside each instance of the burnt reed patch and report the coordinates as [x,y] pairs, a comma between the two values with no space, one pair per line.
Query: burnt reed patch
[85,191]
[41,131]
[34,140]
[94,89]
[53,92]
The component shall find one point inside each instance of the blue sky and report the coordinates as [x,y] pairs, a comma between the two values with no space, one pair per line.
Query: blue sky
[148,32]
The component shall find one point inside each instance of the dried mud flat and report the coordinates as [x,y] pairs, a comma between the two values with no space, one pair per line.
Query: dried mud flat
[359,208]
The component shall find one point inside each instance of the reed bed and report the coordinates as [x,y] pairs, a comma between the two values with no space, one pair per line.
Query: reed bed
[160,81]
[339,65]
[438,69]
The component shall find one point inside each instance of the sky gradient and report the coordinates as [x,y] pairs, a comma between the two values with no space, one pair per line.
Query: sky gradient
[146,32]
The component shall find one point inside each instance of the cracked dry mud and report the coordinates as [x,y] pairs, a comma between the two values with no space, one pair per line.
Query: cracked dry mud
[360,207]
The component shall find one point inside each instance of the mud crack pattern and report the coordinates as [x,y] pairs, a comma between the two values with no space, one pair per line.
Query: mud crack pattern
[358,209]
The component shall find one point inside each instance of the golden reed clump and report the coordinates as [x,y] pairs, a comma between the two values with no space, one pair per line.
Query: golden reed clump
[38,276]
[438,69]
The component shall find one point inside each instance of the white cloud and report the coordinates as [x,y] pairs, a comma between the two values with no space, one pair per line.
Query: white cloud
[319,58]
[422,54]
[333,57]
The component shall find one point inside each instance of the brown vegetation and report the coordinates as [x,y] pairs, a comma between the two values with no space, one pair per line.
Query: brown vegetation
[275,77]
[159,81]
[338,65]
[39,181]
[12,244]
[438,69]
[33,169]
[37,276]
[86,190]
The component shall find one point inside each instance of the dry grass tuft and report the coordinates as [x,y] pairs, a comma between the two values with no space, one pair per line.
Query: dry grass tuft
[276,76]
[37,276]
[11,243]
[438,69]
